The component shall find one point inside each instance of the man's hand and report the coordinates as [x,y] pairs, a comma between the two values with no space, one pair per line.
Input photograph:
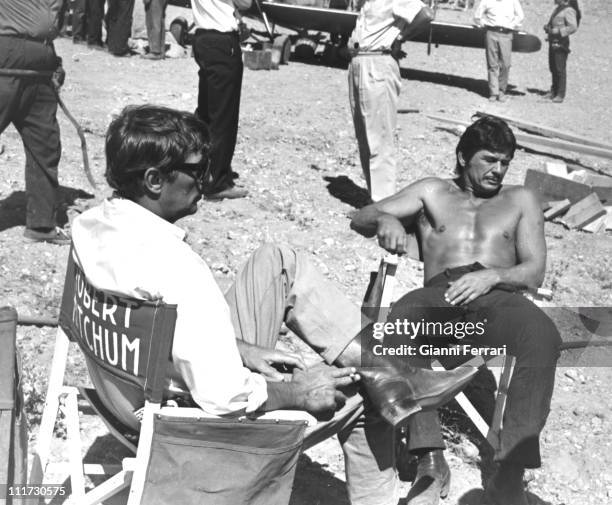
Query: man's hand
[391,234]
[58,77]
[470,286]
[260,360]
[317,389]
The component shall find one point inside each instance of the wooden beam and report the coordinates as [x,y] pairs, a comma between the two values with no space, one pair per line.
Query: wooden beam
[547,132]
[557,209]
[538,141]
[551,187]
[584,212]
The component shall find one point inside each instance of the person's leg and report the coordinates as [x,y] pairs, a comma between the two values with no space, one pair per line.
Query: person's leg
[492,54]
[552,66]
[561,64]
[532,338]
[355,74]
[220,60]
[378,96]
[94,12]
[119,15]
[78,21]
[505,60]
[279,284]
[155,15]
[39,130]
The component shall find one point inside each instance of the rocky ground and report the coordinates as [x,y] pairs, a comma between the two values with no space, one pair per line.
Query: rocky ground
[297,156]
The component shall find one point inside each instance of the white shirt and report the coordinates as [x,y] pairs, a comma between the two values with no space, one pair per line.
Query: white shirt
[217,14]
[505,13]
[381,21]
[126,249]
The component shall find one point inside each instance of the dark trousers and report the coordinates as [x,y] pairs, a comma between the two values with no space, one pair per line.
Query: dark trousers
[79,20]
[95,17]
[30,104]
[219,57]
[557,62]
[509,319]
[119,25]
[155,17]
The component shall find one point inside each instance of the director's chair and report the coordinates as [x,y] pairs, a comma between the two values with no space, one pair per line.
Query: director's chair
[181,455]
[378,301]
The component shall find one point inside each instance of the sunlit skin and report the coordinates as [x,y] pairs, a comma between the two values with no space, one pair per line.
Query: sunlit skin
[473,218]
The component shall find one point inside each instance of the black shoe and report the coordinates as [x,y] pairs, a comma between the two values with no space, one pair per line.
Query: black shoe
[152,56]
[230,193]
[55,236]
[398,394]
[432,480]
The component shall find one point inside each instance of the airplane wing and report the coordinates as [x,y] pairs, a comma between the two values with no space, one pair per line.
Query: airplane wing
[342,22]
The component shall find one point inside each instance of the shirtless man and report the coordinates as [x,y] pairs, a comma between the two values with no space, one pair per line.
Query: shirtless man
[481,242]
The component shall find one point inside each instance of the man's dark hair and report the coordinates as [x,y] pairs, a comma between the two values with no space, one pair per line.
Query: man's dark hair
[488,133]
[147,136]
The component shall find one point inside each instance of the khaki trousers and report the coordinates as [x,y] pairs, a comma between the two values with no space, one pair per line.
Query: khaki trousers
[279,284]
[374,88]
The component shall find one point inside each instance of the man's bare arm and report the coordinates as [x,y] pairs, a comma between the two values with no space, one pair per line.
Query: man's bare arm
[530,245]
[384,219]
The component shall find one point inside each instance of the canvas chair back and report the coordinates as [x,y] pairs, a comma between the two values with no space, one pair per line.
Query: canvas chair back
[126,343]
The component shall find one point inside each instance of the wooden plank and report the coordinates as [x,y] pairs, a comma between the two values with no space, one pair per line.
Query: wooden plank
[557,209]
[597,226]
[584,212]
[551,187]
[548,132]
[538,141]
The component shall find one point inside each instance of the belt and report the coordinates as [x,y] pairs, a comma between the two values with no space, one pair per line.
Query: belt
[370,53]
[498,29]
[208,31]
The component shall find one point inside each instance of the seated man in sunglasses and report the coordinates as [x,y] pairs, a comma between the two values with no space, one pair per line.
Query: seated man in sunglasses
[224,346]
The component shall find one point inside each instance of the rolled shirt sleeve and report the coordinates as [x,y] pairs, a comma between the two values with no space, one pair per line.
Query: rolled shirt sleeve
[407,9]
[518,14]
[571,23]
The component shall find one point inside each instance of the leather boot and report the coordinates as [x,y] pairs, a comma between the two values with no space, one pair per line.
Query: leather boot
[398,390]
[432,480]
[506,486]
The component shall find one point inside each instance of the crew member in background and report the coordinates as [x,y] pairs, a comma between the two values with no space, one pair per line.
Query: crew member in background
[500,18]
[563,22]
[119,16]
[155,16]
[375,83]
[27,30]
[216,48]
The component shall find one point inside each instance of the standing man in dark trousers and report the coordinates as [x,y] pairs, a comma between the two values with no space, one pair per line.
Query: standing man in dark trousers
[499,18]
[95,15]
[119,26]
[216,48]
[155,17]
[27,29]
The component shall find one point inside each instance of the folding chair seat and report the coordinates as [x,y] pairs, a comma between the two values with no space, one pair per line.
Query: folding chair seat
[180,453]
[377,304]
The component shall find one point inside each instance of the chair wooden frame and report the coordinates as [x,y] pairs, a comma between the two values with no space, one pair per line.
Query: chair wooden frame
[132,471]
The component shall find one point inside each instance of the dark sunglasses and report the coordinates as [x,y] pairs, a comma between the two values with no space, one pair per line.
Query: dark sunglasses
[199,171]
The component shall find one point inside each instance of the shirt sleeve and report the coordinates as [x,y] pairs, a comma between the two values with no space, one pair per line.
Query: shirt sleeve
[204,350]
[571,23]
[478,13]
[518,13]
[407,9]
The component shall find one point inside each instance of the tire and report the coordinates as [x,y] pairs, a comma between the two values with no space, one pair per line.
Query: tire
[283,44]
